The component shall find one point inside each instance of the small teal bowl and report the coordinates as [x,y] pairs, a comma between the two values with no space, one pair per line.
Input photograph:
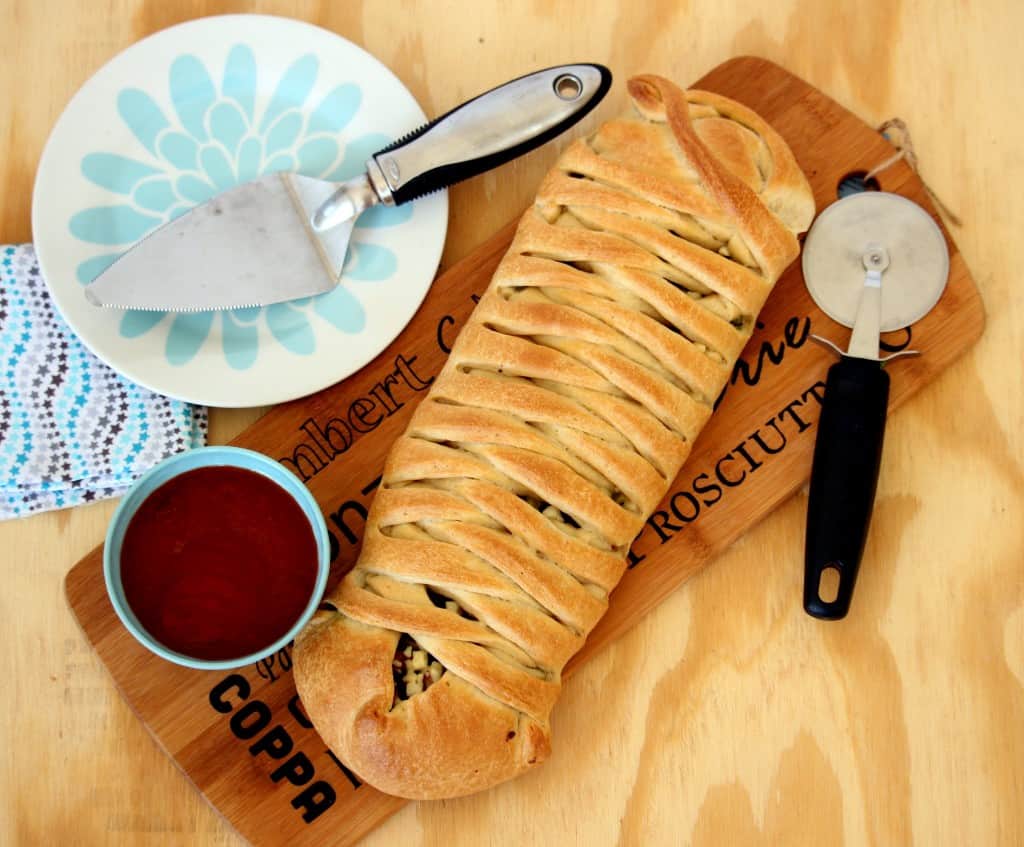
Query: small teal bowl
[168,469]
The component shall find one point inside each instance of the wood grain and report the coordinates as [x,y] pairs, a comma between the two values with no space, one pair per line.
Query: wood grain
[740,720]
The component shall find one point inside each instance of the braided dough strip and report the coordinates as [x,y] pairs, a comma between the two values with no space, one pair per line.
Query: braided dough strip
[566,408]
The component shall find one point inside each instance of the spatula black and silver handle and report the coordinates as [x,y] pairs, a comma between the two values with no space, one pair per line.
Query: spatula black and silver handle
[479,135]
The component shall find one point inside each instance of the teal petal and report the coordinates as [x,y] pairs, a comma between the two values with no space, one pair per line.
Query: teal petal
[247,314]
[249,157]
[317,155]
[292,90]
[142,116]
[111,225]
[113,172]
[187,334]
[156,195]
[341,310]
[336,109]
[88,270]
[384,216]
[284,133]
[240,78]
[194,189]
[218,168]
[291,328]
[177,212]
[227,125]
[369,262]
[357,152]
[240,342]
[193,93]
[282,162]
[136,323]
[180,150]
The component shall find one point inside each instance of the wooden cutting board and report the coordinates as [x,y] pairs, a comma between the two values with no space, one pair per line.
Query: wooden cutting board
[243,738]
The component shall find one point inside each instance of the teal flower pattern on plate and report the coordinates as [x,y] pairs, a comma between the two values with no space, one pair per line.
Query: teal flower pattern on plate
[215,139]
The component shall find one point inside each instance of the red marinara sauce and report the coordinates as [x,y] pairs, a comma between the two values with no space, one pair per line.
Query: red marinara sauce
[218,563]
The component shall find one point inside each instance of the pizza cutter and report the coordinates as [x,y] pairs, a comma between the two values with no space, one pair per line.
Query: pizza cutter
[875,262]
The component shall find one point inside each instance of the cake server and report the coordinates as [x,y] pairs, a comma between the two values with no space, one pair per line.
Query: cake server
[875,262]
[284,236]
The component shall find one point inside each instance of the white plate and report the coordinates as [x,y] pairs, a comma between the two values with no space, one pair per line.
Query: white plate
[189,112]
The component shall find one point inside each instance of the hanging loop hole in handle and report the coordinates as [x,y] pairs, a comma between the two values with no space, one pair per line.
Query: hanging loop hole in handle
[568,87]
[828,590]
[828,583]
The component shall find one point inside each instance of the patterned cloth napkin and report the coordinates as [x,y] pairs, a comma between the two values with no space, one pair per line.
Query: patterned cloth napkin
[71,429]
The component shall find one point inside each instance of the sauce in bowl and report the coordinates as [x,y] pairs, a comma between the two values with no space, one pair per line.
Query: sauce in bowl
[218,562]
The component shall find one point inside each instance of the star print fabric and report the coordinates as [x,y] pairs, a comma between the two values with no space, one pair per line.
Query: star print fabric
[71,429]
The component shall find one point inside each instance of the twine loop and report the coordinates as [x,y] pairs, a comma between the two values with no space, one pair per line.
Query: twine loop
[896,133]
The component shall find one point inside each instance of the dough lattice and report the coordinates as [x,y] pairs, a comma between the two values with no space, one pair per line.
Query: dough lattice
[570,401]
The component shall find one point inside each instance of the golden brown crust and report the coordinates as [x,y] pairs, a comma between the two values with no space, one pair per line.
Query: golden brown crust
[567,406]
[408,749]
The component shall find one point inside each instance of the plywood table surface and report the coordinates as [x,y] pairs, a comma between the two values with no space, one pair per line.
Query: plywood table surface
[727,716]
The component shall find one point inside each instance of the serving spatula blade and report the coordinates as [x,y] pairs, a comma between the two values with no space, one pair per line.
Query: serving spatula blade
[250,246]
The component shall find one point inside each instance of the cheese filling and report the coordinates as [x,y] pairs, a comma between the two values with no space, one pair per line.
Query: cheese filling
[413,669]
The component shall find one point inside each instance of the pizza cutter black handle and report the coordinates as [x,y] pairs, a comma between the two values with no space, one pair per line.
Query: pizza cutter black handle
[844,474]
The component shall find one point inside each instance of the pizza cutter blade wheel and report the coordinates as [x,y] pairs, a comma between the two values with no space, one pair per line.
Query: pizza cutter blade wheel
[875,262]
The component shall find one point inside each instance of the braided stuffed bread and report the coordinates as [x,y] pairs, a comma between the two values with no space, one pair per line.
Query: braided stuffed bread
[566,408]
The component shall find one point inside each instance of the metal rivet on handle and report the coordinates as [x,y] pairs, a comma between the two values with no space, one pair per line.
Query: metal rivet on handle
[568,86]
